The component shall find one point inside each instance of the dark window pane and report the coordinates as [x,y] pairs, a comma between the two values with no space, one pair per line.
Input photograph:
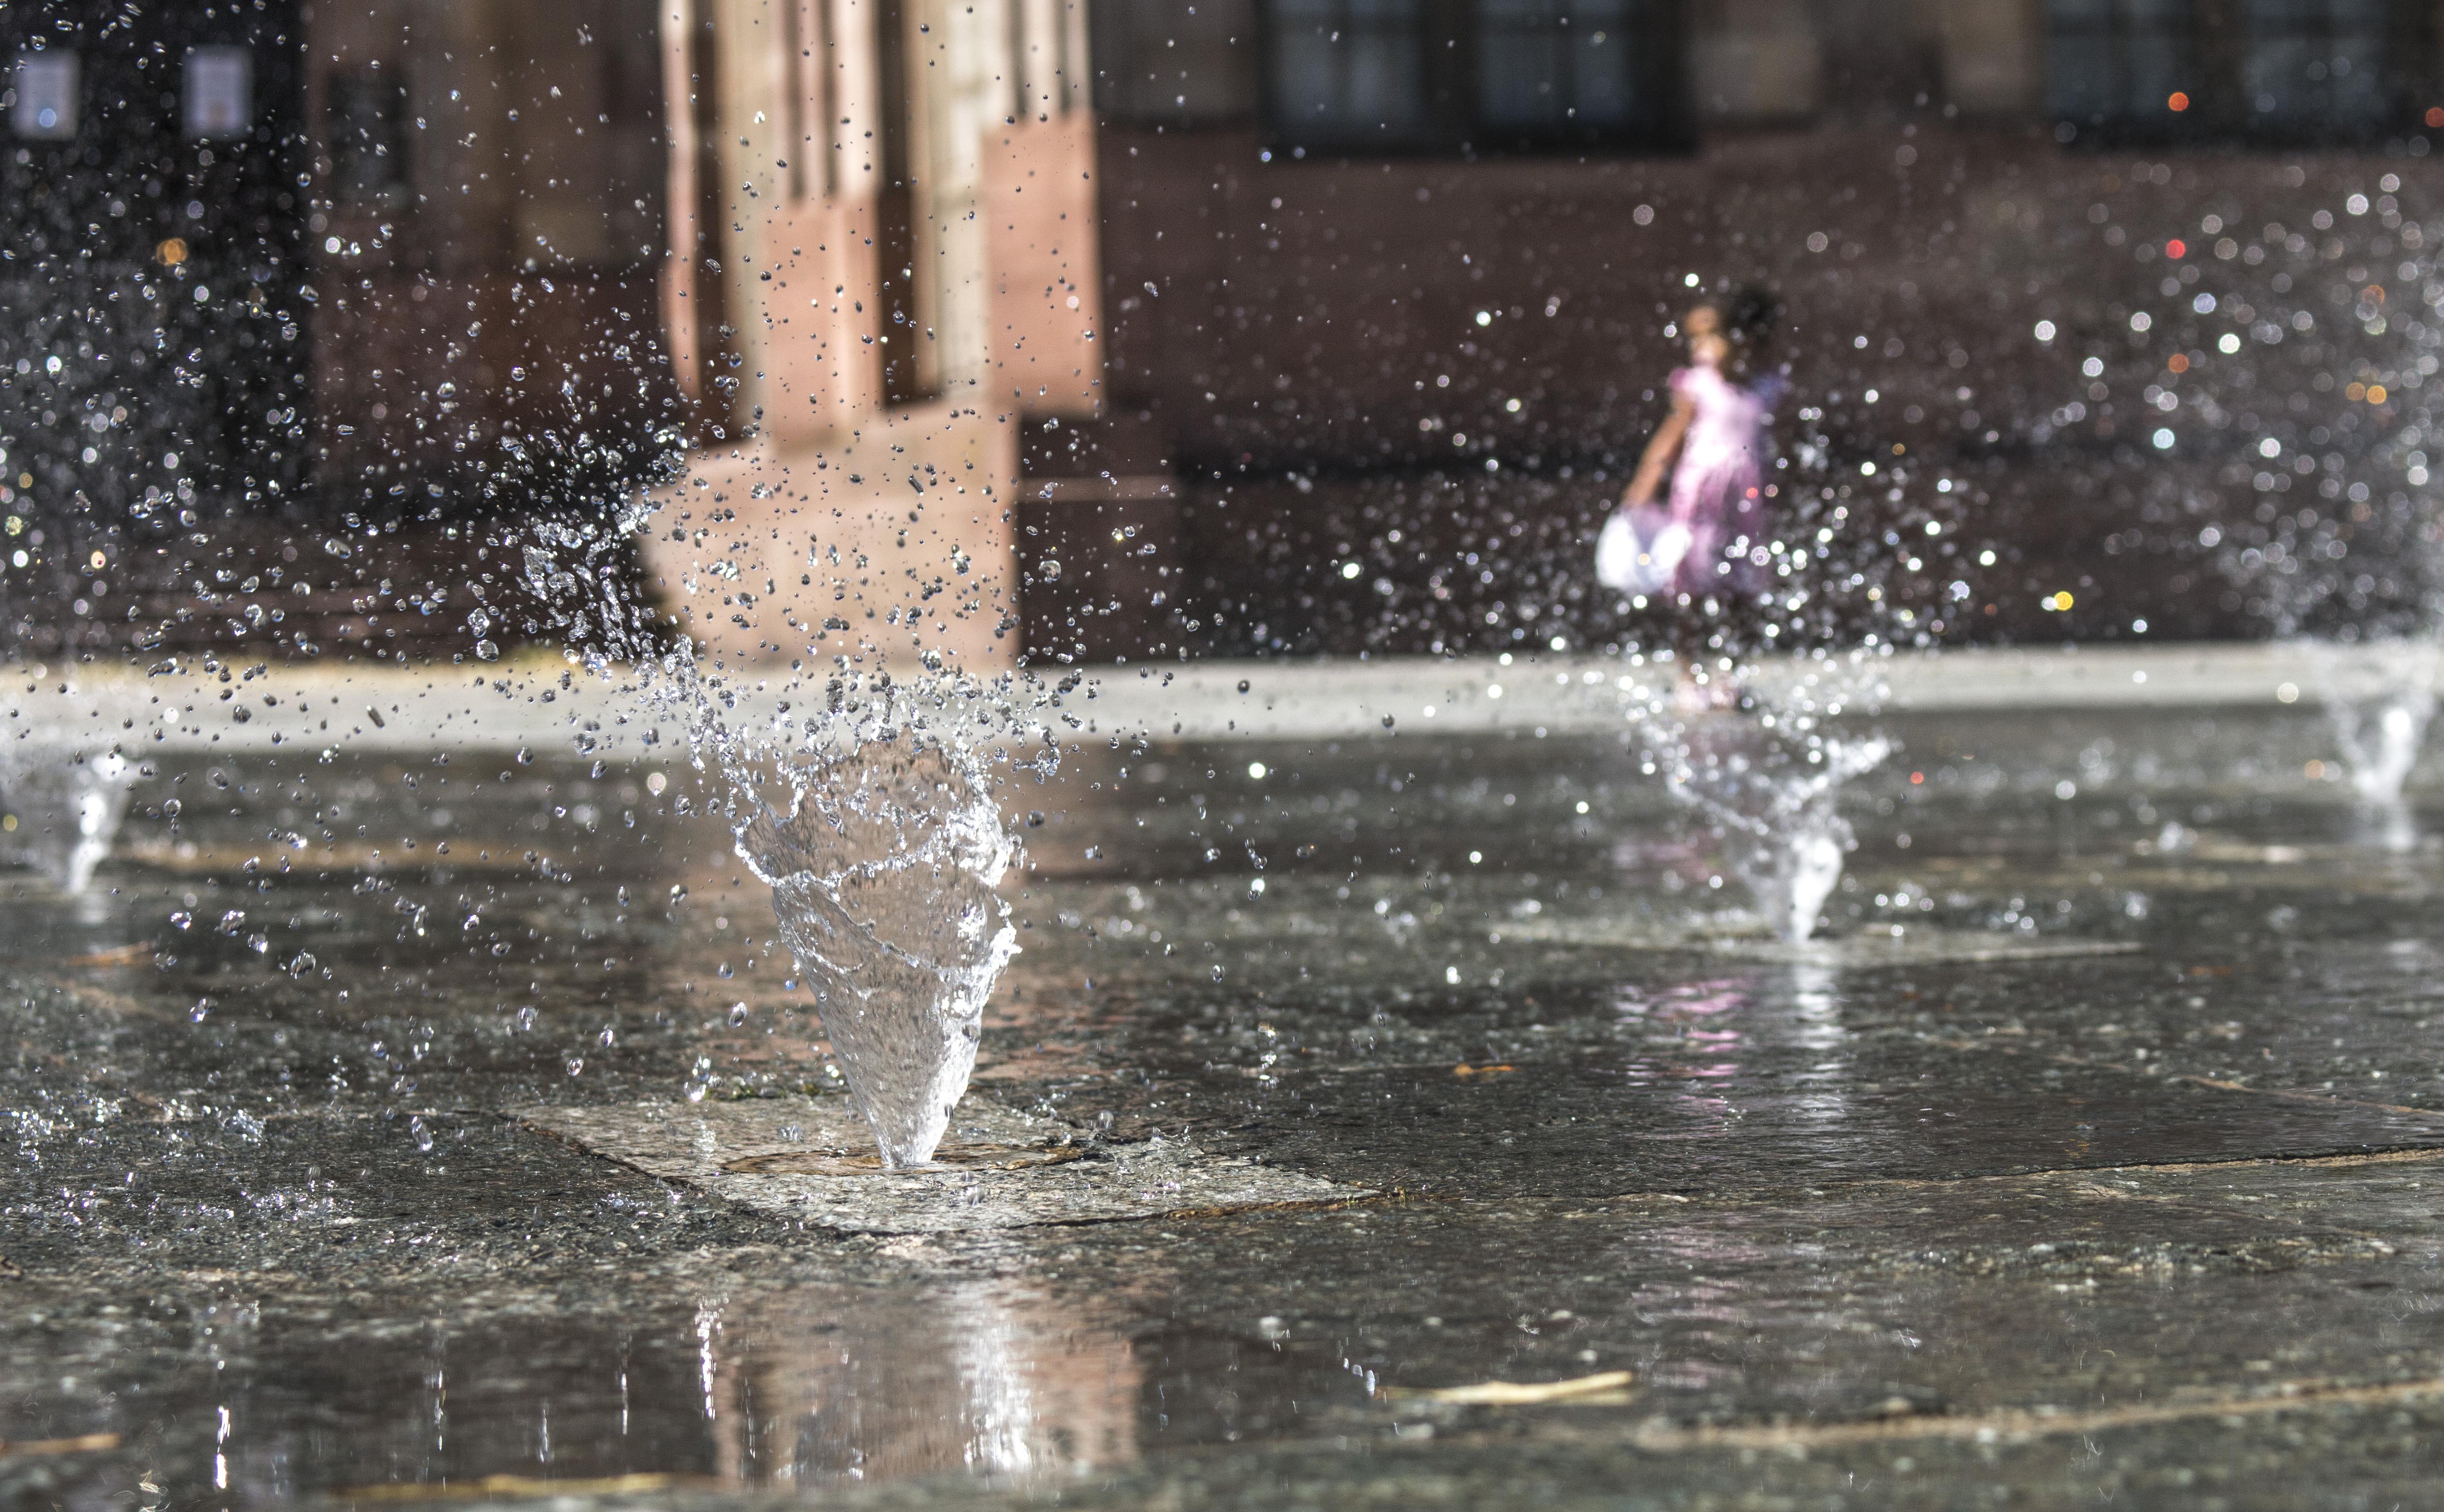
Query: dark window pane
[2120,61]
[2083,75]
[2157,69]
[1556,64]
[1349,71]
[368,145]
[1174,62]
[2316,67]
[1490,75]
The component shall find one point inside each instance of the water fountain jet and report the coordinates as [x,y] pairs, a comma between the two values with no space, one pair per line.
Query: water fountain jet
[882,867]
[1774,804]
[2378,729]
[66,806]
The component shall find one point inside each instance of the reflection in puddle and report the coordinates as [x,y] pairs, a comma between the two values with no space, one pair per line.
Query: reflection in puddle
[973,1377]
[1702,1035]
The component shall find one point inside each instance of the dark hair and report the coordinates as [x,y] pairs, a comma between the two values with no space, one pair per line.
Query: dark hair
[1750,313]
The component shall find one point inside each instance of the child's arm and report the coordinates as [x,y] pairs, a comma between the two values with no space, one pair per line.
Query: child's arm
[1660,453]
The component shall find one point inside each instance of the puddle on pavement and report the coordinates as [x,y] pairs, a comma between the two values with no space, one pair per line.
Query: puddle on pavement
[262,1083]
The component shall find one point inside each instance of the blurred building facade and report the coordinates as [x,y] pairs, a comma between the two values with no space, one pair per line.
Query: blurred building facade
[1167,327]
[280,272]
[882,267]
[1392,284]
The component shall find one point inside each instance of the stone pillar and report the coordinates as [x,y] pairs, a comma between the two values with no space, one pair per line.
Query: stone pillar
[820,518]
[1043,241]
[890,545]
[819,374]
[1755,62]
[1994,58]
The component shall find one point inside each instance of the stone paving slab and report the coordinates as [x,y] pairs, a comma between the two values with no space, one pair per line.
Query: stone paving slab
[805,1160]
[2065,1335]
[1795,1114]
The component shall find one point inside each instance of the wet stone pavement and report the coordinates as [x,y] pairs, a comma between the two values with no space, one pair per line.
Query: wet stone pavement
[2098,1156]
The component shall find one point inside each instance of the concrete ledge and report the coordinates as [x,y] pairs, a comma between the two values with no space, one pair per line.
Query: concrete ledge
[2131,675]
[480,707]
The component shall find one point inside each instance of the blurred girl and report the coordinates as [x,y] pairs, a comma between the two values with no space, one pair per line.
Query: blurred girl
[1715,445]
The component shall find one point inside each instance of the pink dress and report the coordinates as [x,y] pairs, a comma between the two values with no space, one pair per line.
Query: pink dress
[1718,484]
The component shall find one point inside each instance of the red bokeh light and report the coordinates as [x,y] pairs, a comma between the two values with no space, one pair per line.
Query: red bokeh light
[2179,101]
[2177,248]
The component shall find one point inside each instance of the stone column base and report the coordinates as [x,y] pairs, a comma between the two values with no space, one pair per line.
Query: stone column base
[891,545]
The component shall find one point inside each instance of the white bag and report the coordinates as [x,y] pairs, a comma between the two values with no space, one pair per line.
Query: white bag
[1629,562]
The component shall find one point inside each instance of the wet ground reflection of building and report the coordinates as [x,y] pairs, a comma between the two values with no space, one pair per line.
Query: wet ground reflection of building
[976,1377]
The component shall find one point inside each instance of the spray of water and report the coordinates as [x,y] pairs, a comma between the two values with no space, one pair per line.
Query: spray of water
[1764,773]
[2378,706]
[2379,733]
[882,866]
[1782,832]
[65,805]
[2299,361]
[867,798]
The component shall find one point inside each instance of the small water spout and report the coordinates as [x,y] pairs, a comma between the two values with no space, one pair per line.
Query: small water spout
[1766,774]
[883,870]
[1790,877]
[2379,706]
[1776,810]
[2379,740]
[66,806]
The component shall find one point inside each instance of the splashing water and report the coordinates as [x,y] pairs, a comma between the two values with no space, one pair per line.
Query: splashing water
[884,853]
[882,867]
[2381,742]
[2380,705]
[1797,874]
[1765,773]
[882,861]
[67,805]
[1774,806]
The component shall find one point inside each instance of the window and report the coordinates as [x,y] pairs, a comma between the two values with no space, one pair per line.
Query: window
[367,114]
[2316,67]
[1471,75]
[43,94]
[1546,66]
[2121,66]
[1174,63]
[1351,71]
[220,92]
[2277,71]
